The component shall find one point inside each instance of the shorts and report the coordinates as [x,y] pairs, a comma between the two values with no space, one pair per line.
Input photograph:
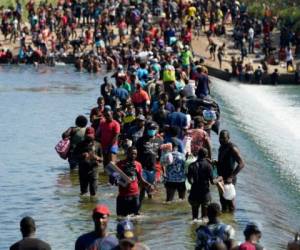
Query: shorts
[203,200]
[149,176]
[113,150]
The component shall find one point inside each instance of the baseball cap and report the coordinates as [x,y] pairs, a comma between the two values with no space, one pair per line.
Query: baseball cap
[101,209]
[125,232]
[141,117]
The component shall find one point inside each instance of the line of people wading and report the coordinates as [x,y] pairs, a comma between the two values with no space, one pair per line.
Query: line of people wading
[157,117]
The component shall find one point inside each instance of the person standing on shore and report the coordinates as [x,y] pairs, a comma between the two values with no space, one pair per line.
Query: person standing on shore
[220,54]
[251,40]
[228,156]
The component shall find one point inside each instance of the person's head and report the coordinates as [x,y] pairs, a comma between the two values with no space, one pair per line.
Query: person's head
[100,102]
[131,153]
[81,121]
[125,234]
[198,122]
[151,129]
[140,121]
[199,69]
[224,137]
[27,226]
[101,215]
[89,134]
[252,232]
[213,211]
[138,87]
[202,153]
[164,97]
[108,115]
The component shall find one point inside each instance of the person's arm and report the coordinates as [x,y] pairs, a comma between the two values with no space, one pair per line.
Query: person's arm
[239,160]
[67,133]
[189,175]
[116,136]
[207,145]
[142,181]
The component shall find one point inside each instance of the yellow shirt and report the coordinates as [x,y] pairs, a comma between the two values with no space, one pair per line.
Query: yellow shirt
[192,11]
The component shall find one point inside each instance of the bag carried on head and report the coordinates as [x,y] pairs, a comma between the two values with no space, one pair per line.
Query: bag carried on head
[62,148]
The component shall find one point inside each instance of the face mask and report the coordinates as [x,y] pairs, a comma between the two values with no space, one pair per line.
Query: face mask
[151,132]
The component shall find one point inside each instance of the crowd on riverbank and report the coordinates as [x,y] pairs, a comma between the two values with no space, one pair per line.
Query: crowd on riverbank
[157,110]
[96,35]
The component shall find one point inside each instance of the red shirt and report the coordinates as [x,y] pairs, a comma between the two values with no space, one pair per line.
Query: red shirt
[140,96]
[108,131]
[199,137]
[133,188]
[247,246]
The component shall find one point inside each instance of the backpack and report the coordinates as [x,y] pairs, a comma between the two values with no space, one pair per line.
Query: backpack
[63,147]
[135,16]
[206,236]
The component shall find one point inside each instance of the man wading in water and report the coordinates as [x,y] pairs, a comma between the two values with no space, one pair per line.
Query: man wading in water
[28,228]
[228,155]
[99,238]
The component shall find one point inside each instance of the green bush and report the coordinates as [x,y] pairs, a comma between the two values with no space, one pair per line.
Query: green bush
[256,10]
[290,16]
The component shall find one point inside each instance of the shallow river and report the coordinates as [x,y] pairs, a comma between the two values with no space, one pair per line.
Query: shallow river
[38,104]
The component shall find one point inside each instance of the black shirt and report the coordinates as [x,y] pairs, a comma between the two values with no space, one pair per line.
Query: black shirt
[30,244]
[148,149]
[200,174]
[226,160]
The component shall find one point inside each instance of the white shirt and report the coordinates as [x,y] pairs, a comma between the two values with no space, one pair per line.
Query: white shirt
[251,33]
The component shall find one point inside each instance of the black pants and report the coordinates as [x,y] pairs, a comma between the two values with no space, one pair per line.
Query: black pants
[88,178]
[128,205]
[172,187]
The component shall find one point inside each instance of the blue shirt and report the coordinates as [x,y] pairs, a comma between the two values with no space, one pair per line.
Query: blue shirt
[121,93]
[202,87]
[178,119]
[177,142]
[142,75]
[92,241]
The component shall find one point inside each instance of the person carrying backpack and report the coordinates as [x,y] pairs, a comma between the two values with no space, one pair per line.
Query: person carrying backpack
[215,232]
[76,135]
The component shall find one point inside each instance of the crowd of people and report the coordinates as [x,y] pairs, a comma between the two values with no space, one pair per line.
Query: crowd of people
[153,122]
[96,33]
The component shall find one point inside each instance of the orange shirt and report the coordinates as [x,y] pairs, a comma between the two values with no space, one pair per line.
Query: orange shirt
[140,96]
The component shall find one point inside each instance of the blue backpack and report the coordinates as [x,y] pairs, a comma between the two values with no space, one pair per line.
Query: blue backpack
[206,236]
